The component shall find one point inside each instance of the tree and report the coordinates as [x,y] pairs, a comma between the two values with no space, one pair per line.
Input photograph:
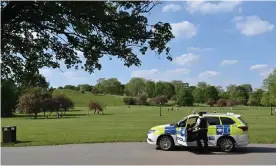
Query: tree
[184,97]
[150,88]
[64,102]
[177,84]
[129,100]
[269,85]
[33,80]
[169,89]
[10,95]
[211,95]
[248,87]
[85,87]
[265,101]
[70,87]
[255,97]
[93,105]
[240,95]
[136,86]
[141,100]
[29,103]
[202,85]
[159,100]
[160,88]
[221,103]
[40,34]
[199,95]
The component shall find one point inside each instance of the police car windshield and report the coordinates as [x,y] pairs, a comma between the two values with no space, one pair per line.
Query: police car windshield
[180,120]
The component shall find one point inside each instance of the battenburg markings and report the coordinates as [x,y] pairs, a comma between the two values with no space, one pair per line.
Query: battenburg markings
[170,130]
[223,129]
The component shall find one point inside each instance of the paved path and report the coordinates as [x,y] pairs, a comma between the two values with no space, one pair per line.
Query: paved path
[132,153]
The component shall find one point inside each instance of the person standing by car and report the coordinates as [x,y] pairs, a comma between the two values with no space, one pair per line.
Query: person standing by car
[201,129]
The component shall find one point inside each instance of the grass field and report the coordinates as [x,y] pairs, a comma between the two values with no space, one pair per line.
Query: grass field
[82,99]
[124,124]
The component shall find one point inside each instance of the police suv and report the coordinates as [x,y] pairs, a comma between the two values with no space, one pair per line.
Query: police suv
[226,131]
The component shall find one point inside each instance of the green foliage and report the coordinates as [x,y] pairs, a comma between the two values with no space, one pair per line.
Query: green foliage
[109,86]
[93,105]
[53,32]
[184,97]
[211,95]
[85,87]
[64,102]
[255,98]
[150,88]
[141,100]
[160,100]
[199,95]
[9,97]
[29,103]
[136,86]
[270,85]
[129,100]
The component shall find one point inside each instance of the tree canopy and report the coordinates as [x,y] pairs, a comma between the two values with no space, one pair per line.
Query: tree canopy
[38,34]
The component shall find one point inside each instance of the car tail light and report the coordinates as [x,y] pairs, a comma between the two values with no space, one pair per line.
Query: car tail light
[244,128]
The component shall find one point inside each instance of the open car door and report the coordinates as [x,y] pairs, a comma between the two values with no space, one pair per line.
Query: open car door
[181,133]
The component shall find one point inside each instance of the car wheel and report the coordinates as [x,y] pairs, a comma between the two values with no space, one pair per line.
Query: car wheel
[226,144]
[166,143]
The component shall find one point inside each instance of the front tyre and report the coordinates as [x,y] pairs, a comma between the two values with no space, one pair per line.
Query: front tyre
[226,144]
[165,143]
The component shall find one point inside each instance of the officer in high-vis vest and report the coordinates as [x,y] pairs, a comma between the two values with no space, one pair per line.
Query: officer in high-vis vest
[201,129]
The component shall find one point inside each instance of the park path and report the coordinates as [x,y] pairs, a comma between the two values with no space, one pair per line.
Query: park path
[133,154]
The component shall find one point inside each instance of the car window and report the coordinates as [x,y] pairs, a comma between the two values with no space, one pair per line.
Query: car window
[182,124]
[243,121]
[213,121]
[227,121]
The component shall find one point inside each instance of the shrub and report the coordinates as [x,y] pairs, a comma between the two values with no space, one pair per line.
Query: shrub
[129,101]
[221,103]
[230,103]
[29,104]
[158,100]
[63,102]
[211,102]
[93,105]
[141,100]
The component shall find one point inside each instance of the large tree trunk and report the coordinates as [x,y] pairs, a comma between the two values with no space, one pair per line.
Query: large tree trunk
[35,116]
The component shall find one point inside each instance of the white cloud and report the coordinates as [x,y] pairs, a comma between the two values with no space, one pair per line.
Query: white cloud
[252,25]
[186,59]
[184,29]
[208,74]
[229,62]
[197,49]
[259,67]
[211,7]
[156,75]
[263,69]
[171,8]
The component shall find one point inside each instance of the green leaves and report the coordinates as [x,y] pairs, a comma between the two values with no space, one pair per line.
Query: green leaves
[47,34]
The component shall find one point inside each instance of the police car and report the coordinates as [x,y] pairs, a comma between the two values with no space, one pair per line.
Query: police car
[226,131]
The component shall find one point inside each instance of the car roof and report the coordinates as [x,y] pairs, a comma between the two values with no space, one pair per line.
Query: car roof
[207,114]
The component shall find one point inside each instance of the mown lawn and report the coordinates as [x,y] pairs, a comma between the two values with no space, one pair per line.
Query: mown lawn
[82,99]
[124,124]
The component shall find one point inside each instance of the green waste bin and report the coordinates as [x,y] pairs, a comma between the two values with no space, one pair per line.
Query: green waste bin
[8,134]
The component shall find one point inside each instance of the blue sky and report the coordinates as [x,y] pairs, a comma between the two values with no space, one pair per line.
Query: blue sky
[221,43]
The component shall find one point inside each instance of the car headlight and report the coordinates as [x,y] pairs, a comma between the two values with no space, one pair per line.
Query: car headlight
[151,131]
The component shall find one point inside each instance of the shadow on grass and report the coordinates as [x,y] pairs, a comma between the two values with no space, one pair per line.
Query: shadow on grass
[14,143]
[75,110]
[236,151]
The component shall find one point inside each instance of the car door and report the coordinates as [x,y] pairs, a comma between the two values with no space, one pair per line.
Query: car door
[213,122]
[181,137]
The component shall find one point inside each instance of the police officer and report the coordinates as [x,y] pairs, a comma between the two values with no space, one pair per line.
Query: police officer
[201,129]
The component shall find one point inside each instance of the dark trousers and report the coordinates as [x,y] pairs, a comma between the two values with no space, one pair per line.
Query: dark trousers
[202,135]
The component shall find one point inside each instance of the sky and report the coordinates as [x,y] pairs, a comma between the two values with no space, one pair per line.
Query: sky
[221,43]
